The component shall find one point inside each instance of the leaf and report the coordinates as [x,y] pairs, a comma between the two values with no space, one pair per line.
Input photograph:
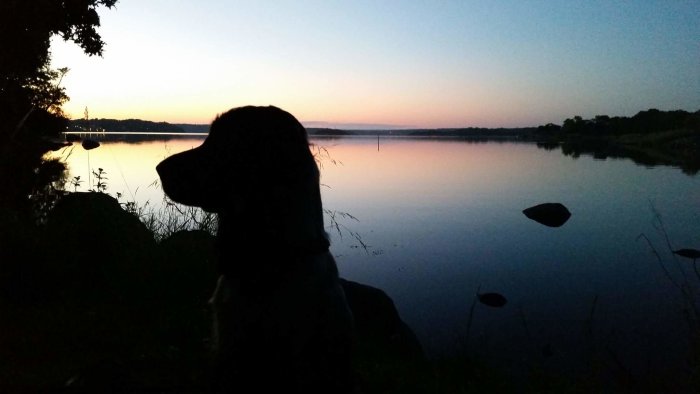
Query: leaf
[493,300]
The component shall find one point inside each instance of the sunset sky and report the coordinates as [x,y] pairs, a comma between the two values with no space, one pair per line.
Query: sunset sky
[389,63]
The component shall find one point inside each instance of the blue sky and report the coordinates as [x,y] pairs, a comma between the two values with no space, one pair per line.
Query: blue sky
[404,63]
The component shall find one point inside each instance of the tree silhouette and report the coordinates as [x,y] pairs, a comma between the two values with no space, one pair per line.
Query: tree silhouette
[30,92]
[30,108]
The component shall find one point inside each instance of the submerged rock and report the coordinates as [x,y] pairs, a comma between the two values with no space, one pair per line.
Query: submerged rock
[494,300]
[549,214]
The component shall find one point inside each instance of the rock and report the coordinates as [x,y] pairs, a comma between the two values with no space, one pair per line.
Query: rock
[189,266]
[95,250]
[90,144]
[186,282]
[389,357]
[693,254]
[378,323]
[494,300]
[549,214]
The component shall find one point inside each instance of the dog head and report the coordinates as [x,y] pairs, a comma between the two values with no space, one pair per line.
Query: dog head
[254,168]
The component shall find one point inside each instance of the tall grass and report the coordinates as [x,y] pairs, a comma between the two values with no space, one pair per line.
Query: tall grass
[687,286]
[170,217]
[688,289]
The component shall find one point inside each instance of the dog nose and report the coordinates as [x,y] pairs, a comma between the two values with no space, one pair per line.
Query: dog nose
[163,173]
[168,174]
[160,169]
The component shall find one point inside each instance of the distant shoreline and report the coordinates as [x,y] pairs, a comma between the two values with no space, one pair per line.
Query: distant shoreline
[471,132]
[148,127]
[141,135]
[677,148]
[83,132]
[650,137]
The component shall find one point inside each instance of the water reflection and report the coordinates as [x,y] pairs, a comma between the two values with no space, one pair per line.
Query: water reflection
[442,218]
[650,156]
[130,165]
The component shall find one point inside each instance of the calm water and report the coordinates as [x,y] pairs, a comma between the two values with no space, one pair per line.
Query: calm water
[442,218]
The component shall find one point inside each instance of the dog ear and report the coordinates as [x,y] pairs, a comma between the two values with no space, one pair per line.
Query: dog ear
[251,153]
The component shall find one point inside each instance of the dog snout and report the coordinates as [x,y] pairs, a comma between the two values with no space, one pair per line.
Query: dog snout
[183,179]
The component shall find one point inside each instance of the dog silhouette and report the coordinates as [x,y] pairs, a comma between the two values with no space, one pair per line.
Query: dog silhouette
[281,319]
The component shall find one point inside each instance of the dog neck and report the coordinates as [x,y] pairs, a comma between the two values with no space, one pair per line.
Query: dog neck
[278,222]
[278,236]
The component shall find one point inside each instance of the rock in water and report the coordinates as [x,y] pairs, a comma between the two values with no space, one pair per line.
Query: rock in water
[90,144]
[549,214]
[493,300]
[688,253]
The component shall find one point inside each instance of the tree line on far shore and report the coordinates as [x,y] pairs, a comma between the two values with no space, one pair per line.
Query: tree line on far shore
[644,122]
[126,125]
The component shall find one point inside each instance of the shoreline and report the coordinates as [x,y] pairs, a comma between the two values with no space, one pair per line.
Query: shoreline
[676,148]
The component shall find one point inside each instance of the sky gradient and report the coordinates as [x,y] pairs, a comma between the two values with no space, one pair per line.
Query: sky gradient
[425,64]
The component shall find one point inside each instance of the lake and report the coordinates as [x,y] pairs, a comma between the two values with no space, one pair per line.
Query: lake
[443,218]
